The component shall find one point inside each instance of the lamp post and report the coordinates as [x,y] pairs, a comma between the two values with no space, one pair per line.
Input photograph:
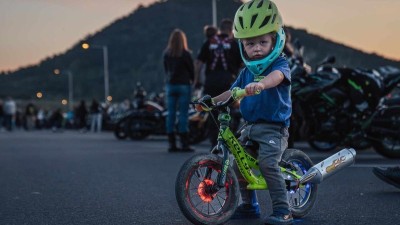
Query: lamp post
[70,86]
[214,12]
[105,68]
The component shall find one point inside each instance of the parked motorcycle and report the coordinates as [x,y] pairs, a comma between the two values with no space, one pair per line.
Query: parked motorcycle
[151,119]
[346,106]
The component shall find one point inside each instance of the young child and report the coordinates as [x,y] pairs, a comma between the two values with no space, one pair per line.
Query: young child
[259,29]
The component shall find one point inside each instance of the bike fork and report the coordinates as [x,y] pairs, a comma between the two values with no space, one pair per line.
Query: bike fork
[225,165]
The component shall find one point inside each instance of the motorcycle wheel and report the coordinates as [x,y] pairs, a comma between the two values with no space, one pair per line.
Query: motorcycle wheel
[323,141]
[197,134]
[388,147]
[387,140]
[137,129]
[198,201]
[302,198]
[120,130]
[361,144]
[322,146]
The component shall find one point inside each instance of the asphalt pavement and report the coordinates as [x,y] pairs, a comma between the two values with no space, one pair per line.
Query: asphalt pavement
[92,178]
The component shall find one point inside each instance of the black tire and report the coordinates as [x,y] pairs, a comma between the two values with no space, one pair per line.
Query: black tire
[139,129]
[361,144]
[388,147]
[323,139]
[322,146]
[121,129]
[301,199]
[385,130]
[197,133]
[198,203]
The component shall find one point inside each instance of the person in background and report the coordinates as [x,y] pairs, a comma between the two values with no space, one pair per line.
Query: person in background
[268,107]
[221,57]
[390,175]
[289,49]
[81,116]
[41,118]
[96,116]
[30,116]
[126,105]
[210,33]
[139,96]
[56,120]
[294,50]
[179,70]
[10,113]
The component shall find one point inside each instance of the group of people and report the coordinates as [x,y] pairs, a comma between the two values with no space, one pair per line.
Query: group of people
[94,111]
[32,117]
[258,29]
[8,112]
[12,116]
[214,70]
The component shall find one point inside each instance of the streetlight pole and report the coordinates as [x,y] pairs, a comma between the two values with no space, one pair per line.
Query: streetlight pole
[106,81]
[214,12]
[105,67]
[70,86]
[70,91]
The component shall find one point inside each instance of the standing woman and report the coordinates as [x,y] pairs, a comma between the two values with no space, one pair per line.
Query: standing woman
[179,69]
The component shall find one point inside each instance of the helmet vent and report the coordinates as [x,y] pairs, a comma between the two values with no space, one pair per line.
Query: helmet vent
[251,3]
[260,4]
[241,8]
[253,19]
[273,18]
[241,22]
[270,6]
[265,22]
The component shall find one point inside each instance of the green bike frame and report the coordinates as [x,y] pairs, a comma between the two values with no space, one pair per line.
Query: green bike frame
[246,163]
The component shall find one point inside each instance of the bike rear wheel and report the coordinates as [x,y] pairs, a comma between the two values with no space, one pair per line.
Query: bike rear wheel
[301,199]
[196,197]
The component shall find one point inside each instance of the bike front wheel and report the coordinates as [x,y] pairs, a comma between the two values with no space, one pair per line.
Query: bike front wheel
[198,195]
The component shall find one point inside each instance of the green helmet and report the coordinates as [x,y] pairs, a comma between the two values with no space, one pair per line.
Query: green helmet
[256,18]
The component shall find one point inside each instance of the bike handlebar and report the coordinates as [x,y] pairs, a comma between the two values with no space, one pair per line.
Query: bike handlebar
[236,94]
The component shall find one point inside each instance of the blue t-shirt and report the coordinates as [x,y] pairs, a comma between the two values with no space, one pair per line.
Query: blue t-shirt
[271,105]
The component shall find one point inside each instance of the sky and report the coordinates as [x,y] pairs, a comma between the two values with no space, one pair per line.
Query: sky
[32,30]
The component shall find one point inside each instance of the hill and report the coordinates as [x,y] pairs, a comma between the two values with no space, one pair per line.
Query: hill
[135,44]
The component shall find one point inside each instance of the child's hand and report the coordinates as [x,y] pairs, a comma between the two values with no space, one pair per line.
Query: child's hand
[198,108]
[254,88]
[205,104]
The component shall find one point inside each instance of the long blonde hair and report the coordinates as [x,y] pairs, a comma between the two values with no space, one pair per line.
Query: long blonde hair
[177,43]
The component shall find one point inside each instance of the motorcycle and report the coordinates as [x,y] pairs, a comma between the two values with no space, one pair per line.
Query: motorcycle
[346,106]
[151,119]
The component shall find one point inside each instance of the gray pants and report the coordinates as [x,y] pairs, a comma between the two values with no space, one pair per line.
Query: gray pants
[272,140]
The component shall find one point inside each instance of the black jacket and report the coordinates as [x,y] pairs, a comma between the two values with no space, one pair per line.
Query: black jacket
[179,70]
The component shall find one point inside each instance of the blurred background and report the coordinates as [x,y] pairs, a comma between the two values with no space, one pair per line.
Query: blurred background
[56,53]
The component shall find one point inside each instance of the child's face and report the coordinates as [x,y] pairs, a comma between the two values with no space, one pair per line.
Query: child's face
[258,47]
